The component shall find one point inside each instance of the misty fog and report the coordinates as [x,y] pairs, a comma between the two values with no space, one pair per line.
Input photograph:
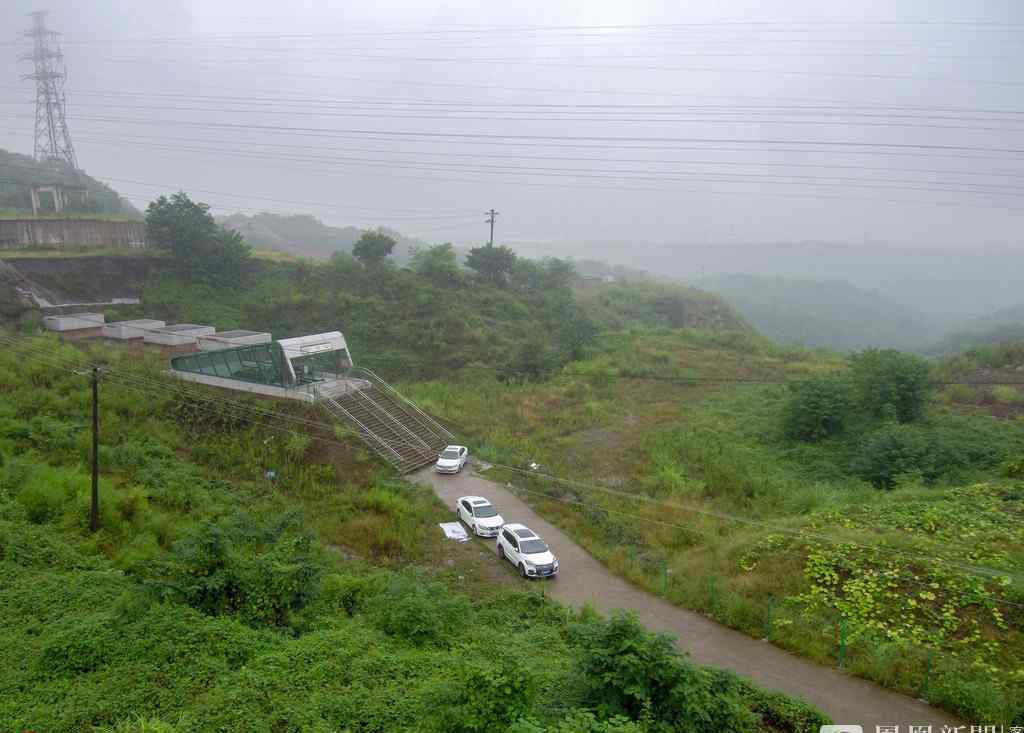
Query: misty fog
[877,143]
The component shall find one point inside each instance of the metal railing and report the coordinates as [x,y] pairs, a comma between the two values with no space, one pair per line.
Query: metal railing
[431,423]
[383,448]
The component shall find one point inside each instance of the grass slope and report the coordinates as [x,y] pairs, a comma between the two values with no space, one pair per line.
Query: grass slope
[213,599]
[690,489]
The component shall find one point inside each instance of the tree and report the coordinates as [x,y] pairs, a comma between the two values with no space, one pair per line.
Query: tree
[373,247]
[625,670]
[890,383]
[201,250]
[493,264]
[818,408]
[437,264]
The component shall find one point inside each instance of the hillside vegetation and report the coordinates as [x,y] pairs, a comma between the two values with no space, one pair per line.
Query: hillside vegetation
[834,313]
[303,235]
[18,172]
[214,599]
[518,318]
[1002,326]
[841,508]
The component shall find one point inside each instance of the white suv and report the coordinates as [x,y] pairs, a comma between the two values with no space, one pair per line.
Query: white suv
[529,553]
[479,515]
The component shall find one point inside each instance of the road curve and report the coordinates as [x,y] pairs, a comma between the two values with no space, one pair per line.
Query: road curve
[582,579]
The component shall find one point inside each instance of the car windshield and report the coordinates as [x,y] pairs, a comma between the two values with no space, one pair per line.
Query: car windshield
[450,454]
[532,547]
[484,511]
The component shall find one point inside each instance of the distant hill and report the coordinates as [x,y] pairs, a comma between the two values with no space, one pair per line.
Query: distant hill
[829,313]
[306,236]
[1005,325]
[950,284]
[18,172]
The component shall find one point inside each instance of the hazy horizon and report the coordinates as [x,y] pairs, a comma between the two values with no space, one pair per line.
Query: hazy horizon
[889,124]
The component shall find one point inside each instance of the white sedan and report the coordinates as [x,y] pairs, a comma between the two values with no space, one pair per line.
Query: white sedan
[479,515]
[452,459]
[531,555]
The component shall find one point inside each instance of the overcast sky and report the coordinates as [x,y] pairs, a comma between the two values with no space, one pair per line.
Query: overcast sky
[875,121]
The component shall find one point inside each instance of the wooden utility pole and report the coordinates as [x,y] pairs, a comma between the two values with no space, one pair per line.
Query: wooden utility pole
[490,219]
[94,507]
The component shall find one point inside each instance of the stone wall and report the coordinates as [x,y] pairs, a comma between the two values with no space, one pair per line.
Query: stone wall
[71,234]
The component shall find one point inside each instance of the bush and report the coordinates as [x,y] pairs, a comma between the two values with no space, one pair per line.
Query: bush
[818,408]
[579,721]
[263,574]
[890,383]
[934,452]
[418,612]
[488,698]
[45,492]
[626,670]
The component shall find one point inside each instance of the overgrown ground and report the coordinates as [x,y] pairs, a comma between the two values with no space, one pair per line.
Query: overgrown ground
[216,599]
[685,483]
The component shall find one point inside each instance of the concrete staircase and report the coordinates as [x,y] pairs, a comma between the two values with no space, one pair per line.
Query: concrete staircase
[392,426]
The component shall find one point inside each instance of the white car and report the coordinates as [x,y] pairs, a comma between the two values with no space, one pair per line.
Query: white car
[452,459]
[530,554]
[479,515]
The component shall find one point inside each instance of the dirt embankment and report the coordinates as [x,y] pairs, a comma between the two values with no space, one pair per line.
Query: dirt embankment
[31,283]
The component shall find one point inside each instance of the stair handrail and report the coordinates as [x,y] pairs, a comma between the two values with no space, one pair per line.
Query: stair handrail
[381,443]
[397,421]
[388,388]
[365,425]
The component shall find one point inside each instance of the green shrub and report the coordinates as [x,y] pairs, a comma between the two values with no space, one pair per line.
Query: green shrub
[817,408]
[78,645]
[626,670]
[1007,395]
[488,697]
[578,721]
[140,725]
[262,573]
[46,492]
[417,611]
[934,452]
[890,383]
[779,712]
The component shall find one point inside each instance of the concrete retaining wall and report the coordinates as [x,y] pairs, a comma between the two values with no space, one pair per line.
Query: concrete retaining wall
[71,234]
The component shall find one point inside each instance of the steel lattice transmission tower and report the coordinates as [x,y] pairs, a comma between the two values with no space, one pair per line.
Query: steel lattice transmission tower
[53,142]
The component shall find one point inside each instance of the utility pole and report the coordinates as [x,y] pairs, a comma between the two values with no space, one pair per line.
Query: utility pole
[52,139]
[94,506]
[491,215]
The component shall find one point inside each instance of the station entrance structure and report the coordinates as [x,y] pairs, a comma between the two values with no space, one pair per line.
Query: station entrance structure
[318,368]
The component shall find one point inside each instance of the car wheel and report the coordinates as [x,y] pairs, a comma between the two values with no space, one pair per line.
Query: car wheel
[522,570]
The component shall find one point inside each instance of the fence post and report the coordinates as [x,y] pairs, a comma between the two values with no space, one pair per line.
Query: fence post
[664,578]
[923,691]
[768,618]
[841,661]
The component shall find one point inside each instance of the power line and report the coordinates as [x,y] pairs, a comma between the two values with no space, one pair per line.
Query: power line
[518,61]
[519,156]
[356,112]
[771,102]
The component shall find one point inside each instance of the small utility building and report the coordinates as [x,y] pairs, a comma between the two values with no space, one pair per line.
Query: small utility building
[302,368]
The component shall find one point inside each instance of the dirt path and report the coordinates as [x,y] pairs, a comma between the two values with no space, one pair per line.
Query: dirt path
[582,579]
